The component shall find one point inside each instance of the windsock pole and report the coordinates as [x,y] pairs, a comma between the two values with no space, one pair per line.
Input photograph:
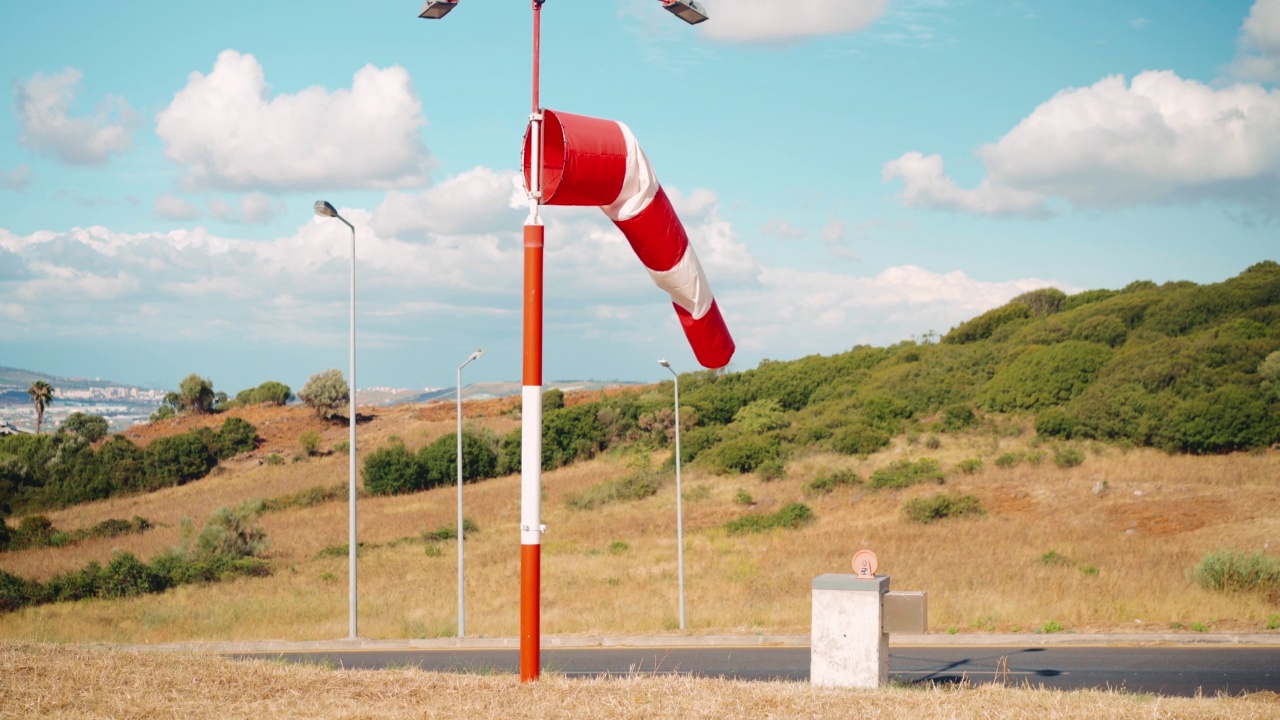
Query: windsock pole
[531,391]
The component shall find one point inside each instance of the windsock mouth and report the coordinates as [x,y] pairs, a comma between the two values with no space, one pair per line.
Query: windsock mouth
[584,159]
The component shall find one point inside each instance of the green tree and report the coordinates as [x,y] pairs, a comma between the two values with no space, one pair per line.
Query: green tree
[90,427]
[41,394]
[196,394]
[326,392]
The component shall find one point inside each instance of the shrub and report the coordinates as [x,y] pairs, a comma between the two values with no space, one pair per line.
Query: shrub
[127,576]
[15,593]
[970,466]
[1053,557]
[32,531]
[931,508]
[825,484]
[552,399]
[772,469]
[636,486]
[177,459]
[393,470]
[1006,460]
[742,497]
[1239,572]
[1068,458]
[760,416]
[326,392]
[196,394]
[792,516]
[1045,376]
[447,532]
[905,473]
[4,535]
[1054,422]
[958,417]
[234,437]
[90,427]
[307,498]
[858,439]
[439,459]
[310,442]
[509,453]
[230,532]
[275,393]
[742,454]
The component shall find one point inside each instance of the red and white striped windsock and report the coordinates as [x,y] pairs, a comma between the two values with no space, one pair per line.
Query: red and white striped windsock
[589,161]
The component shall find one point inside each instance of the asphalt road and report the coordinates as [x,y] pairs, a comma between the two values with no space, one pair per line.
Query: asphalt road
[1173,671]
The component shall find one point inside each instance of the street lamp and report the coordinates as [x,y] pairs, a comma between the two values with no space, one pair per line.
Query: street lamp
[687,10]
[436,9]
[679,509]
[324,209]
[462,615]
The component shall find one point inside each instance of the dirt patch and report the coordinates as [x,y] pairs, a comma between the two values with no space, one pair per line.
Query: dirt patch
[1168,517]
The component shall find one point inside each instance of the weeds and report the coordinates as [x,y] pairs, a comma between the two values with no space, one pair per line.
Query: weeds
[791,517]
[1239,572]
[905,473]
[932,508]
[825,484]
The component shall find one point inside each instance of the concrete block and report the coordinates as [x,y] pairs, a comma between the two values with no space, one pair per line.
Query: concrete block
[848,646]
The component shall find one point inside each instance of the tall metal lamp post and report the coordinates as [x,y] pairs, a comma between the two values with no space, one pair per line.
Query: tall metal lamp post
[462,608]
[531,528]
[324,209]
[679,495]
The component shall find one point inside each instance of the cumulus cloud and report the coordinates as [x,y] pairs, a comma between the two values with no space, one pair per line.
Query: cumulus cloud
[16,179]
[43,103]
[229,132]
[252,208]
[1258,57]
[478,200]
[771,20]
[1159,139]
[925,184]
[170,207]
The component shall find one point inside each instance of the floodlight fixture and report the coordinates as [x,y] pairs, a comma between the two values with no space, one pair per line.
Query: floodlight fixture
[436,9]
[689,11]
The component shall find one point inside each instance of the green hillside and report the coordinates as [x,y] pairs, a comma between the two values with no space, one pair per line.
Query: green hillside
[1180,367]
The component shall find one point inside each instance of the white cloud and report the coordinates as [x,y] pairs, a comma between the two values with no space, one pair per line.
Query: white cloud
[16,179]
[1159,139]
[925,184]
[170,207]
[478,200]
[807,312]
[228,132]
[43,103]
[776,227]
[1258,57]
[774,20]
[252,208]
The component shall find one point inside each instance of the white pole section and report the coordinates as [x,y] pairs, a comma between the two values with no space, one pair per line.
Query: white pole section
[351,470]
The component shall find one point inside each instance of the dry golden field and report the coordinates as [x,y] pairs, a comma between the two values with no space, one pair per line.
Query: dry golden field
[1128,528]
[76,682]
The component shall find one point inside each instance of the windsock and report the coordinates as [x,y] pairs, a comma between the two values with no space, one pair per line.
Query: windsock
[589,161]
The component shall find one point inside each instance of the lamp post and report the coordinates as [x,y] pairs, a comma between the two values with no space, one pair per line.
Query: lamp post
[679,496]
[324,209]
[462,613]
[531,527]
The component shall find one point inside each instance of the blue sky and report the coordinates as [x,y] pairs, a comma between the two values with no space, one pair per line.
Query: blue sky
[850,171]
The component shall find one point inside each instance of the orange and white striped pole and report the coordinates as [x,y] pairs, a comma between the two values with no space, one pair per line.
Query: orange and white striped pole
[531,392]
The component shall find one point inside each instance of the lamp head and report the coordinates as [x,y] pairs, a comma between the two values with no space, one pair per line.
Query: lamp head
[436,9]
[664,363]
[689,11]
[324,209]
[475,354]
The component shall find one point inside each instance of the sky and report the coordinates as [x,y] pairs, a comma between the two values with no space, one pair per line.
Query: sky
[849,172]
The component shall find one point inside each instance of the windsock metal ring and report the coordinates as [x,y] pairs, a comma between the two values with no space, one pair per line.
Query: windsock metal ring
[589,161]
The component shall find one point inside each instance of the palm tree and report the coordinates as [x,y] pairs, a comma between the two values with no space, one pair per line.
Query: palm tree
[41,394]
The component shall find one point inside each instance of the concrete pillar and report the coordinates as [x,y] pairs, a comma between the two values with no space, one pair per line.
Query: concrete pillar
[848,645]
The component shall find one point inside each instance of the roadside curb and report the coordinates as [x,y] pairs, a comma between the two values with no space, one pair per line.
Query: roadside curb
[796,641]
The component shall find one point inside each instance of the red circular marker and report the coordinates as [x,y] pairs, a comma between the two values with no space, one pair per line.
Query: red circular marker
[865,564]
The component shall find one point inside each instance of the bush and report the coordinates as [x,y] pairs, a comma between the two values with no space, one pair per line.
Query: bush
[393,470]
[15,593]
[1239,572]
[272,392]
[234,437]
[90,427]
[326,392]
[448,532]
[177,459]
[552,399]
[743,498]
[791,517]
[439,459]
[1068,458]
[636,486]
[196,394]
[931,508]
[509,453]
[1054,422]
[4,535]
[958,417]
[905,473]
[1006,460]
[742,454]
[970,466]
[127,576]
[230,532]
[858,439]
[825,484]
[310,442]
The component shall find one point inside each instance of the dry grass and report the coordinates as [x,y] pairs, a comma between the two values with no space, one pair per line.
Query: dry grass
[1129,548]
[76,682]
